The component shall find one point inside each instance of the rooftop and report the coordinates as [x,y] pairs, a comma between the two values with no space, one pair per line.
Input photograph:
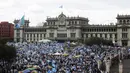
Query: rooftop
[122,16]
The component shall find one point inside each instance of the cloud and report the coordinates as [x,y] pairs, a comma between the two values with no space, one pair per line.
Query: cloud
[98,11]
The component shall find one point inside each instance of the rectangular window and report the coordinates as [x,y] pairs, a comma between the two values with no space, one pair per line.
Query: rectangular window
[18,40]
[30,35]
[91,35]
[51,35]
[124,35]
[124,29]
[30,38]
[62,35]
[100,35]
[34,35]
[95,35]
[124,42]
[82,35]
[116,36]
[37,35]
[18,31]
[18,34]
[110,35]
[62,26]
[41,35]
[72,35]
[27,39]
[44,35]
[86,35]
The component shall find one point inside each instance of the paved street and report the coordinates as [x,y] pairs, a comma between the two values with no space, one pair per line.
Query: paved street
[114,69]
[126,67]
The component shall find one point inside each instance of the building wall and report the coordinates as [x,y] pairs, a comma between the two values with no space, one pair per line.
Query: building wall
[73,28]
[30,36]
[129,37]
[6,30]
[119,31]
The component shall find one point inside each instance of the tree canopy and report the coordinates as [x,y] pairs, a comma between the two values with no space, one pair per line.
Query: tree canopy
[98,41]
[7,56]
[6,52]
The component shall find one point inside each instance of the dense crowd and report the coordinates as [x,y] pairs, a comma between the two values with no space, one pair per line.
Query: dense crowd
[52,57]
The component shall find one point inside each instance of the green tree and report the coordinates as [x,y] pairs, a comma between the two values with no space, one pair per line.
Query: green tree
[97,41]
[7,53]
[93,40]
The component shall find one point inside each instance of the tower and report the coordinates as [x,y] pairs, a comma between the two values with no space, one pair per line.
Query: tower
[19,32]
[123,30]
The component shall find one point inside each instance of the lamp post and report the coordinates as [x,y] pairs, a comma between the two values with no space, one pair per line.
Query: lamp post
[120,61]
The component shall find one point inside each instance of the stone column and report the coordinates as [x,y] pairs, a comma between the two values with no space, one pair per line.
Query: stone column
[113,38]
[15,35]
[98,35]
[103,35]
[119,36]
[129,37]
[26,36]
[78,33]
[128,42]
[32,37]
[55,33]
[35,37]
[93,35]
[43,36]
[84,37]
[108,36]
[68,33]
[89,35]
[47,33]
[29,38]
[39,37]
[21,35]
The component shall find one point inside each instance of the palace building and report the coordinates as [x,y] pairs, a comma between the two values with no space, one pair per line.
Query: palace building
[63,28]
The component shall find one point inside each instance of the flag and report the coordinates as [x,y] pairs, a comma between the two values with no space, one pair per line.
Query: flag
[61,6]
[20,23]
[17,26]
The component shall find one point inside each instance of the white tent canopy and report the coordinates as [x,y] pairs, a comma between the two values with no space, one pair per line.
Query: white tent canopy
[73,43]
[45,40]
[57,53]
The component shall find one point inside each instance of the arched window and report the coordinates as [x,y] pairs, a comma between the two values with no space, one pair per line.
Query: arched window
[128,21]
[72,22]
[75,22]
[120,21]
[124,21]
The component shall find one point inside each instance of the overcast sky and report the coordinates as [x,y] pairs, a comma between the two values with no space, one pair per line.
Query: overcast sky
[98,11]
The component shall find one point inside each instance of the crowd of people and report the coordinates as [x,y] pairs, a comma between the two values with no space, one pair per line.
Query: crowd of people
[52,57]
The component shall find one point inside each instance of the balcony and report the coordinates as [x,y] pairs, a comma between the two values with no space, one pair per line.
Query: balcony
[125,39]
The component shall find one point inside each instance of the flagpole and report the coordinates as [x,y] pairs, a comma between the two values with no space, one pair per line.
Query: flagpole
[23,32]
[24,29]
[61,7]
